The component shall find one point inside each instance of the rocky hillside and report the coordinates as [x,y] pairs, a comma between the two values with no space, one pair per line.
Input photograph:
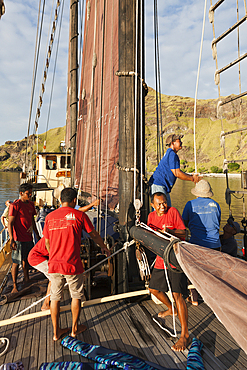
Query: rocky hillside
[177,116]
[12,153]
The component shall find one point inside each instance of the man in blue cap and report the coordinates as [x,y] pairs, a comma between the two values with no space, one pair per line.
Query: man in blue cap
[168,170]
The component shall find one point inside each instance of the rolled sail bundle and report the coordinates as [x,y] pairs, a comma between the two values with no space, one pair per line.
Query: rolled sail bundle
[222,282]
[220,278]
[157,244]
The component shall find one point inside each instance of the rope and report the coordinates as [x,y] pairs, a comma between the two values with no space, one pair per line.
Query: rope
[160,146]
[3,341]
[35,66]
[54,70]
[91,106]
[124,248]
[197,82]
[101,112]
[108,134]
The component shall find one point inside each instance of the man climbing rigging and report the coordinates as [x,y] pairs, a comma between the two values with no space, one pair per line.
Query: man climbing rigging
[168,170]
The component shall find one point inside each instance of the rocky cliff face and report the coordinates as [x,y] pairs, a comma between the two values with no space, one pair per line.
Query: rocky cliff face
[13,153]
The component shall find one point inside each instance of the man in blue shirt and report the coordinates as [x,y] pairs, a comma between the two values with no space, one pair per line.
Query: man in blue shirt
[168,170]
[202,216]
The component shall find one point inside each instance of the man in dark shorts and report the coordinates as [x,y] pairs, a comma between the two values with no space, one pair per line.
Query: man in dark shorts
[168,219]
[62,232]
[21,227]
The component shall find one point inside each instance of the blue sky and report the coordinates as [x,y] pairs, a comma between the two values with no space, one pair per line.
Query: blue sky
[180,26]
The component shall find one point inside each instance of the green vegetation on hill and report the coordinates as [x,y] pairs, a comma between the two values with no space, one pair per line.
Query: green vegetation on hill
[177,117]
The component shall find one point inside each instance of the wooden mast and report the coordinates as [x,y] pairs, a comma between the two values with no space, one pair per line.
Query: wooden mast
[74,82]
[127,64]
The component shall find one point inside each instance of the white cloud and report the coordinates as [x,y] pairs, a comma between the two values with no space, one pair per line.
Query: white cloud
[180,26]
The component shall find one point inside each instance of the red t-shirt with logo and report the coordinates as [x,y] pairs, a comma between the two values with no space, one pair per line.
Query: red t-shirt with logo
[63,228]
[172,220]
[23,226]
[38,253]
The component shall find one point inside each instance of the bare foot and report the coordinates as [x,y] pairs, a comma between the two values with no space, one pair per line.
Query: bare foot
[14,290]
[163,314]
[195,303]
[80,329]
[60,333]
[181,344]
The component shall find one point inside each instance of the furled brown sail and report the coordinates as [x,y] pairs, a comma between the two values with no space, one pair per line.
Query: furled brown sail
[98,121]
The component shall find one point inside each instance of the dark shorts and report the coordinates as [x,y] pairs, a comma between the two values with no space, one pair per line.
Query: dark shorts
[21,252]
[178,282]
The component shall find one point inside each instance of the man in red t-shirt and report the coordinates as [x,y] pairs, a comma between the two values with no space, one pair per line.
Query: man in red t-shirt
[168,219]
[21,226]
[62,232]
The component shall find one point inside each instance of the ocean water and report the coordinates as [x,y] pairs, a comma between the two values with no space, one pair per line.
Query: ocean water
[9,185]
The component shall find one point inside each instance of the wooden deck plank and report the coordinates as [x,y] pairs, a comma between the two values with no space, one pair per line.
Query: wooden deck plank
[127,338]
[140,332]
[227,341]
[33,364]
[43,341]
[122,326]
[161,340]
[11,332]
[27,332]
[218,341]
[210,362]
[112,331]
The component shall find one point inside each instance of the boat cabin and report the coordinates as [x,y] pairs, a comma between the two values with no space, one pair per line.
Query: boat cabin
[52,172]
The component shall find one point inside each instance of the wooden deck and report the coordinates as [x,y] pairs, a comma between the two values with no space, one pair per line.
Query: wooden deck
[122,326]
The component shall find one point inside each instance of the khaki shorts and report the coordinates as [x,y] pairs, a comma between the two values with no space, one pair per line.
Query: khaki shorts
[75,283]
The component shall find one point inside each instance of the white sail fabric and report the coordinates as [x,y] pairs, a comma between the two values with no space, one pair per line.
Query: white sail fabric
[222,282]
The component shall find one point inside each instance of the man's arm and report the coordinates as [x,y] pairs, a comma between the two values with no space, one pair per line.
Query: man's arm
[89,206]
[184,176]
[35,228]
[98,240]
[47,245]
[10,230]
[179,233]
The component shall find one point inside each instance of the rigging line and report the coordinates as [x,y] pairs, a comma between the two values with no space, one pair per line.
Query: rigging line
[159,84]
[156,83]
[197,82]
[101,111]
[91,112]
[54,71]
[47,41]
[35,66]
[136,85]
[81,28]
[47,60]
[141,99]
[109,125]
[83,92]
[41,92]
